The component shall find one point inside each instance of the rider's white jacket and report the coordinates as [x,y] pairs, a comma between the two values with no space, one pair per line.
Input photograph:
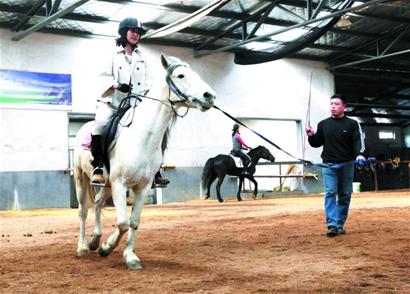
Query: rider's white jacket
[123,69]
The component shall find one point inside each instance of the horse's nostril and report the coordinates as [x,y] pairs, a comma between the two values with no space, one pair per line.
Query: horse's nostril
[208,95]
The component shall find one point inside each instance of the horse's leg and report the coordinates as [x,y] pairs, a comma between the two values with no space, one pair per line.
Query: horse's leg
[119,195]
[97,233]
[255,183]
[132,260]
[218,187]
[211,180]
[238,194]
[81,186]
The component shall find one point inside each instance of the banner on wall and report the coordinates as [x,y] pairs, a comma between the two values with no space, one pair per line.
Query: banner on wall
[25,88]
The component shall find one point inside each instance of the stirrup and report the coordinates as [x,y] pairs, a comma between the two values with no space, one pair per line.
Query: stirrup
[98,171]
[155,185]
[158,185]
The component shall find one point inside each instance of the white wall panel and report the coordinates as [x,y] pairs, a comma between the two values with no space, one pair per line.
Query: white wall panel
[33,140]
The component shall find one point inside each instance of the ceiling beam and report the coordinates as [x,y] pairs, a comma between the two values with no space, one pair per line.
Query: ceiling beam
[180,8]
[242,16]
[380,115]
[378,106]
[261,20]
[55,7]
[305,23]
[40,25]
[376,84]
[232,27]
[34,8]
[192,31]
[383,67]
[370,59]
[374,42]
[381,17]
[384,97]
[41,12]
[376,124]
[372,75]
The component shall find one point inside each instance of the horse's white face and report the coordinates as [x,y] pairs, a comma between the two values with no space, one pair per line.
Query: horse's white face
[195,92]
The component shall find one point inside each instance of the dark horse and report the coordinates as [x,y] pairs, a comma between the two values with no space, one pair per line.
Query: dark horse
[220,165]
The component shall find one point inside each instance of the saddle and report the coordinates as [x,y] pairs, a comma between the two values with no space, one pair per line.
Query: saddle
[109,133]
[238,161]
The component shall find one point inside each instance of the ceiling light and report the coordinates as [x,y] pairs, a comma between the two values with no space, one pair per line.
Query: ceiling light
[343,22]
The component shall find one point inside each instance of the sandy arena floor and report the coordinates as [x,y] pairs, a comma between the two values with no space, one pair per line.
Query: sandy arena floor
[255,246]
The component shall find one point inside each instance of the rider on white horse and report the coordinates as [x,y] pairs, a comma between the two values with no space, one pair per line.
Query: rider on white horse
[238,145]
[125,73]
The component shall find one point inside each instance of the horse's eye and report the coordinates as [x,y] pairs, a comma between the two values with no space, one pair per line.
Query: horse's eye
[180,76]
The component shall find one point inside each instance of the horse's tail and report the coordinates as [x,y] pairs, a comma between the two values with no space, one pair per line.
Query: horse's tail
[207,173]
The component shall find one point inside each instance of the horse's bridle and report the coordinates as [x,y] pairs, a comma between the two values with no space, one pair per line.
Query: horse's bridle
[174,89]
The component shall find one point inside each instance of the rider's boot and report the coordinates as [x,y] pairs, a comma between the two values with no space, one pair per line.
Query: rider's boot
[97,177]
[159,180]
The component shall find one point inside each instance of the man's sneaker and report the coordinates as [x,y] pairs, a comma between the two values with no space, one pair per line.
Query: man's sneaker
[341,231]
[331,232]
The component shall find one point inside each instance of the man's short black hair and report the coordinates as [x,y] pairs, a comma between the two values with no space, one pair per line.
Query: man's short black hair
[341,97]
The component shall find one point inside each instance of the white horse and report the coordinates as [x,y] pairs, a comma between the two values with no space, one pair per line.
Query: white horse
[136,157]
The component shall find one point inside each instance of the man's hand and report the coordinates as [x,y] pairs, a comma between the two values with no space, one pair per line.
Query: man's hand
[309,131]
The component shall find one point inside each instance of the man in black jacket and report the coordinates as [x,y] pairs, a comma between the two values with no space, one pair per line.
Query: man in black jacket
[343,144]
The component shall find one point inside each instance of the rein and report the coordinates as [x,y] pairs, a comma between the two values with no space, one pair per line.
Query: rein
[263,137]
[172,88]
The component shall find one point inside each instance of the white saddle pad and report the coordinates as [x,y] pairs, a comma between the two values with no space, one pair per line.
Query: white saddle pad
[237,160]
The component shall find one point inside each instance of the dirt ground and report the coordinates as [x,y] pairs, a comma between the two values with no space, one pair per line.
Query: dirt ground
[275,245]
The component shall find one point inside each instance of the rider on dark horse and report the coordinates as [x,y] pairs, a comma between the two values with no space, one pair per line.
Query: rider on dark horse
[125,72]
[237,146]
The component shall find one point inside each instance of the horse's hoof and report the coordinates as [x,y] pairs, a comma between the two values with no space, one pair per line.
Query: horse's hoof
[94,246]
[95,243]
[134,265]
[103,253]
[239,199]
[206,197]
[82,249]
[82,252]
[254,196]
[220,200]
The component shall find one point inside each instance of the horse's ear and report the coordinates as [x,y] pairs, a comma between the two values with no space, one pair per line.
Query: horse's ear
[164,60]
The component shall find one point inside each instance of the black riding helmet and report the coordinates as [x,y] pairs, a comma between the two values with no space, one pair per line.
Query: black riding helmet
[235,127]
[130,23]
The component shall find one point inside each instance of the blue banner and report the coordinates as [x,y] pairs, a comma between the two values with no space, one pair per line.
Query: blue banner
[23,87]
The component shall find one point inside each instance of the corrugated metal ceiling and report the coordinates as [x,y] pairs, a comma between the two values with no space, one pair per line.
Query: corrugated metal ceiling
[367,49]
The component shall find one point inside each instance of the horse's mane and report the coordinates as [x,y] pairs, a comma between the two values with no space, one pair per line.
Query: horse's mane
[253,150]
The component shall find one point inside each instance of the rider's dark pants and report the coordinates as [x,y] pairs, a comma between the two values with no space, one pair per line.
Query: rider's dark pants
[96,151]
[244,157]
